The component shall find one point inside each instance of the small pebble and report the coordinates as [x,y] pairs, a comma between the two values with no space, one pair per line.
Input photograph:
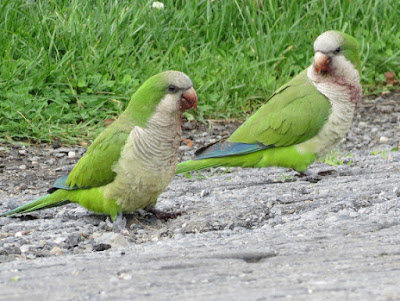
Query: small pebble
[362,124]
[23,186]
[383,139]
[71,154]
[101,247]
[57,251]
[124,276]
[26,248]
[20,233]
[204,192]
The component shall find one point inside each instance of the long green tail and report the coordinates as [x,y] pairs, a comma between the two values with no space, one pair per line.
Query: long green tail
[283,156]
[193,165]
[51,200]
[92,199]
[248,160]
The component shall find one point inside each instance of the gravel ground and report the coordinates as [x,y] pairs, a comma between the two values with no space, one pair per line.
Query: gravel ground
[248,234]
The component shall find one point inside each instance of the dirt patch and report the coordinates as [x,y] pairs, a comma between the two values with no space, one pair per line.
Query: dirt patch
[311,236]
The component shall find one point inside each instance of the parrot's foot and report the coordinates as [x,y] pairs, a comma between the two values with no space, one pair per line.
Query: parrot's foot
[309,176]
[118,225]
[327,172]
[163,215]
[315,177]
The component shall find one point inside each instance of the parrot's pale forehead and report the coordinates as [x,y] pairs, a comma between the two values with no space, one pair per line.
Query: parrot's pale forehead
[178,79]
[328,41]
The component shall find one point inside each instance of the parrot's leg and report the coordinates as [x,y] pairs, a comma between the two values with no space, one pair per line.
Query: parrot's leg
[163,215]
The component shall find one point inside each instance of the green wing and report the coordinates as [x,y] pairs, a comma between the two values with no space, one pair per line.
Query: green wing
[294,114]
[94,169]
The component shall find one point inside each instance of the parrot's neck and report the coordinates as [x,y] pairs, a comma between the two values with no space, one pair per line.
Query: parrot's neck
[342,85]
[155,147]
[343,93]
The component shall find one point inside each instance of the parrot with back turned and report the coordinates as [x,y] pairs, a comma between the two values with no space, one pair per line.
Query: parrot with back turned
[302,120]
[134,159]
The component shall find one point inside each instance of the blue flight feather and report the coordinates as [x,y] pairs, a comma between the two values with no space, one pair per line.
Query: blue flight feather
[227,149]
[61,183]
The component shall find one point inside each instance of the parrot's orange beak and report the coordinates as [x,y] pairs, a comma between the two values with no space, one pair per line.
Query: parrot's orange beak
[188,100]
[322,62]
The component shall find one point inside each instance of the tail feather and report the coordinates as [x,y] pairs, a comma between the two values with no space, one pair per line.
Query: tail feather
[247,160]
[92,199]
[42,206]
[227,154]
[287,157]
[228,149]
[47,201]
[193,165]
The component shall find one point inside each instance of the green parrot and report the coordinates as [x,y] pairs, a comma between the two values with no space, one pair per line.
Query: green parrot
[302,120]
[134,159]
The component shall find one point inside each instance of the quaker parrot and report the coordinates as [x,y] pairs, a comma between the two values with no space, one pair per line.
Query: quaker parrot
[302,120]
[134,159]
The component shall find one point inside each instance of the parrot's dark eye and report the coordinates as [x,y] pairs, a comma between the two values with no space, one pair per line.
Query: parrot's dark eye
[337,50]
[172,89]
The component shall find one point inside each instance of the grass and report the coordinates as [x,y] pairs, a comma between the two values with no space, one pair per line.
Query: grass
[383,152]
[335,158]
[66,66]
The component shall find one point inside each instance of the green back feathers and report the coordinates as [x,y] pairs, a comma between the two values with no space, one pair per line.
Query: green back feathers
[295,113]
[94,169]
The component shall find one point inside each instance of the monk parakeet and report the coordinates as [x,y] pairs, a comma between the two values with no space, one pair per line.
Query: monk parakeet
[133,160]
[302,120]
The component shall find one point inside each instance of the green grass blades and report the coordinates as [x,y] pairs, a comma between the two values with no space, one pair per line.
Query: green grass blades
[66,66]
[335,158]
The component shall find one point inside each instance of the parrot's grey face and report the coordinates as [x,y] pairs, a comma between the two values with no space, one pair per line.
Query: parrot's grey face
[329,58]
[180,95]
[328,47]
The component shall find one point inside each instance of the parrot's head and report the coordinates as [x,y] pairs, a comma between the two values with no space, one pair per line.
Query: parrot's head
[169,92]
[179,89]
[336,54]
